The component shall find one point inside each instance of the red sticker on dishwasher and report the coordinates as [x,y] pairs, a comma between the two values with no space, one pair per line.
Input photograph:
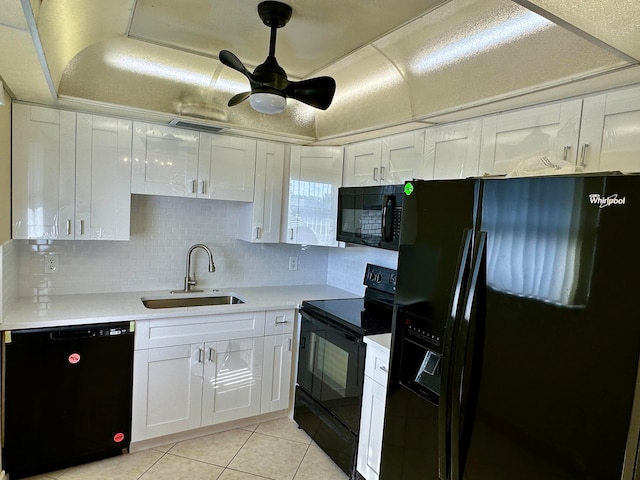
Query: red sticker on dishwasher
[118,437]
[74,358]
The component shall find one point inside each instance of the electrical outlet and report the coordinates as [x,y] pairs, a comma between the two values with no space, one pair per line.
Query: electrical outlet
[293,263]
[51,264]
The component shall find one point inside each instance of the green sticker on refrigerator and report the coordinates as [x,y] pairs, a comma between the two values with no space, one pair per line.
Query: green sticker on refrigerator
[408,188]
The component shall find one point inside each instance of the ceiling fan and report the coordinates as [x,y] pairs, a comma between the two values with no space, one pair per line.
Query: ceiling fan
[270,87]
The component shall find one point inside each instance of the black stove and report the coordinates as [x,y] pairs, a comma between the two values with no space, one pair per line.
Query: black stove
[366,315]
[331,358]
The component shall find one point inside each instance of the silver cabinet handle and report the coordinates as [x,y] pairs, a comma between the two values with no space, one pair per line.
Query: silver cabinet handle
[203,187]
[193,186]
[68,227]
[565,152]
[291,234]
[375,174]
[290,344]
[384,369]
[212,354]
[381,173]
[258,232]
[282,322]
[201,355]
[81,227]
[583,155]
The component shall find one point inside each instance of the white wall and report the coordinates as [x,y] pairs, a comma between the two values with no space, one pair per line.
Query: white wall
[162,230]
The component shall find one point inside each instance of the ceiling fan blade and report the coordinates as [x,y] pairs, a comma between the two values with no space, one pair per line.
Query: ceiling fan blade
[317,92]
[240,97]
[230,60]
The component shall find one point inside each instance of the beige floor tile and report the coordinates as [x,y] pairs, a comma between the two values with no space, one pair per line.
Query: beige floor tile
[216,449]
[171,467]
[284,428]
[164,448]
[316,465]
[123,467]
[271,457]
[229,474]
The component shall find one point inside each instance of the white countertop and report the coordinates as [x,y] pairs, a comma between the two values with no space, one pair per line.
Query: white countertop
[59,310]
[382,339]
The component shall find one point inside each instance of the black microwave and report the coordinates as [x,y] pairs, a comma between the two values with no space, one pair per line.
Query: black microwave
[370,215]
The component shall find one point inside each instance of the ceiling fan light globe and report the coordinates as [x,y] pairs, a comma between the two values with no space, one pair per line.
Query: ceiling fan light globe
[268,102]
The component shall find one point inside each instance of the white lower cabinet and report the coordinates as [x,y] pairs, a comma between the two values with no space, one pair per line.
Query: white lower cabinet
[232,380]
[199,371]
[373,405]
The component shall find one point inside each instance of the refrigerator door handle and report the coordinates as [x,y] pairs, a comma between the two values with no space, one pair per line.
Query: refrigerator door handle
[444,411]
[464,352]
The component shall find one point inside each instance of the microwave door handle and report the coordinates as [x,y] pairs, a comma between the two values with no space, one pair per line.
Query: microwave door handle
[387,217]
[444,411]
[461,412]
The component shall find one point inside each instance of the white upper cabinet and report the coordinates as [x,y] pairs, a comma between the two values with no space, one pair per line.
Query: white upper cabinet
[362,164]
[384,161]
[402,157]
[261,220]
[226,167]
[315,175]
[43,173]
[527,135]
[103,176]
[452,151]
[184,163]
[165,160]
[71,177]
[610,133]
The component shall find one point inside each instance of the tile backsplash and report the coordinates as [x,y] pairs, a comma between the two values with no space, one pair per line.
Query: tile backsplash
[8,274]
[162,230]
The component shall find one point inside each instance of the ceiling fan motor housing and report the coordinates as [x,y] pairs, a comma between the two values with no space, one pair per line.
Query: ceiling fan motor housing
[274,14]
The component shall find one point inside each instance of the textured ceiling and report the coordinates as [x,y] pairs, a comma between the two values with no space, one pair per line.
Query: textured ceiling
[397,65]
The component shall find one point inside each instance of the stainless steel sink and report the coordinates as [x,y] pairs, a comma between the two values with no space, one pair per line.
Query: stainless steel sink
[191,301]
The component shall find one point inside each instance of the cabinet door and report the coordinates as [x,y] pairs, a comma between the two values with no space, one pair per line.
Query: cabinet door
[43,173]
[233,380]
[527,135]
[165,160]
[452,151]
[610,134]
[362,164]
[276,380]
[315,176]
[226,167]
[261,221]
[103,178]
[371,429]
[402,156]
[167,396]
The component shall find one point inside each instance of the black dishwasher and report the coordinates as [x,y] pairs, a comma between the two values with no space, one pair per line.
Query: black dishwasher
[67,396]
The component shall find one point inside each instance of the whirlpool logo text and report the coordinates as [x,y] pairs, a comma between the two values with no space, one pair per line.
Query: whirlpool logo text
[597,199]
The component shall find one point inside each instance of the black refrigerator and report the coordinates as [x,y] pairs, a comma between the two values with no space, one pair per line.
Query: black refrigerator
[516,331]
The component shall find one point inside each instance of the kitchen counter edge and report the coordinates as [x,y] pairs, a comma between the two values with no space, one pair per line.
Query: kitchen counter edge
[78,309]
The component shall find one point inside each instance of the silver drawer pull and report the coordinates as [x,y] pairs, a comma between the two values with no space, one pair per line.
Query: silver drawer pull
[212,354]
[281,322]
[384,369]
[201,355]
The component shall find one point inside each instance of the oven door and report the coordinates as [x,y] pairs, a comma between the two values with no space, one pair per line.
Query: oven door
[331,367]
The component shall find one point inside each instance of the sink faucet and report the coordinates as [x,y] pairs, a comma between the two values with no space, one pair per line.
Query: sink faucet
[188,281]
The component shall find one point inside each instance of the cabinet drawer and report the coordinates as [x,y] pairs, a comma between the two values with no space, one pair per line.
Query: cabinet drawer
[377,363]
[279,321]
[206,328]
